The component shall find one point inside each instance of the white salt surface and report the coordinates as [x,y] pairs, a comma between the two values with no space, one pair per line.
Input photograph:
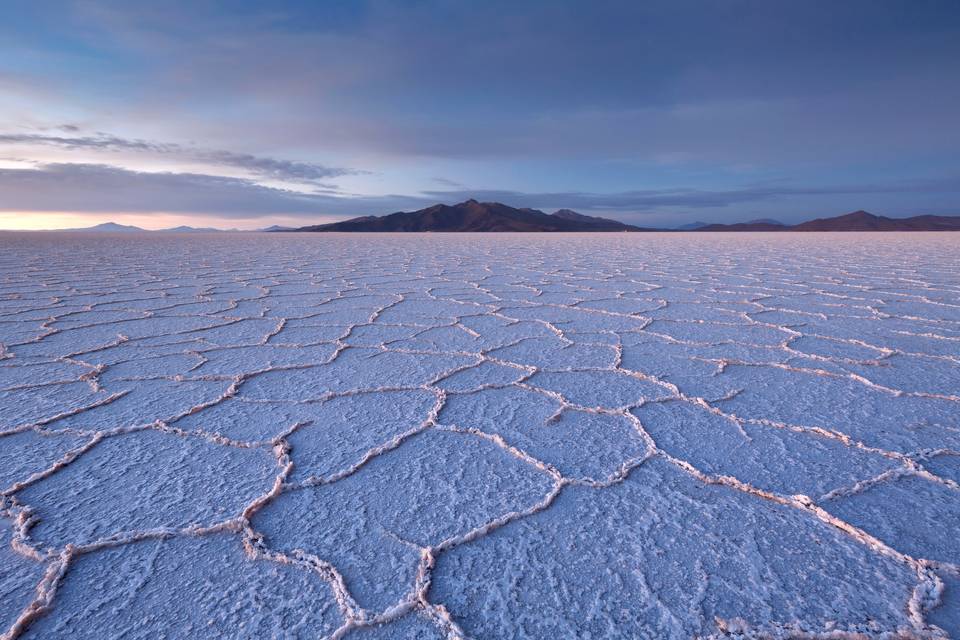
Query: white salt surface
[483,436]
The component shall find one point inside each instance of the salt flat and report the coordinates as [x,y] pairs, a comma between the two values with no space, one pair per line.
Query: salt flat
[485,436]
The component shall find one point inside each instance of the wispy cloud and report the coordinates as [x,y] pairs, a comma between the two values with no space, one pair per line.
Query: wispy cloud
[449,183]
[98,188]
[261,167]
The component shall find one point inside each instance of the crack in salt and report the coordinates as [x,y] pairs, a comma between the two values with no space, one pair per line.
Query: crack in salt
[514,301]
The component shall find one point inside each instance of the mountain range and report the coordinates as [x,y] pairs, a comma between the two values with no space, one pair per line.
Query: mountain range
[113,227]
[863,221]
[494,216]
[477,216]
[698,226]
[473,216]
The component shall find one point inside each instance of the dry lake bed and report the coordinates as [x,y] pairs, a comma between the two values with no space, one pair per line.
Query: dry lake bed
[482,436]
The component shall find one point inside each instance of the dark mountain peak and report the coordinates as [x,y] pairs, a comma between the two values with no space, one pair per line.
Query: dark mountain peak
[856,221]
[472,215]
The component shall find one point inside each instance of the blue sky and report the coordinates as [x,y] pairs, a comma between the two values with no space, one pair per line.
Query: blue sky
[657,113]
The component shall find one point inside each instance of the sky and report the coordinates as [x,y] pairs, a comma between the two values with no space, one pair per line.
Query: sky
[658,113]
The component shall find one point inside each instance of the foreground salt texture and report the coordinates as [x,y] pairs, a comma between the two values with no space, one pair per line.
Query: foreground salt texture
[654,436]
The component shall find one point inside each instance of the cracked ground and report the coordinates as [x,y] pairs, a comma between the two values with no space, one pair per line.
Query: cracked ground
[494,436]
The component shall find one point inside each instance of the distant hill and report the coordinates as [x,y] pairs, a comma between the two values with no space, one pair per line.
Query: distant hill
[746,226]
[863,221]
[856,221]
[695,226]
[113,227]
[108,227]
[477,216]
[185,229]
[691,226]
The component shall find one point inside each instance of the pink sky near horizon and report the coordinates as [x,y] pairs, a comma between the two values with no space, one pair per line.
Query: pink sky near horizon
[48,221]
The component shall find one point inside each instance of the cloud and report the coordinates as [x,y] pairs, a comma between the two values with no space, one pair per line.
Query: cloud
[95,188]
[558,100]
[259,166]
[741,82]
[449,183]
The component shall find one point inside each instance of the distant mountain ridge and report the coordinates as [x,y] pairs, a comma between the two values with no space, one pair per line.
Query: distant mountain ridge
[856,221]
[477,217]
[863,221]
[113,227]
[107,227]
[473,216]
[691,226]
[746,226]
[760,224]
[698,226]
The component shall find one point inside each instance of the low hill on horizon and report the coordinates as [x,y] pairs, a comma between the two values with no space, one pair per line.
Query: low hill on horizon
[107,227]
[864,221]
[114,227]
[756,225]
[856,221]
